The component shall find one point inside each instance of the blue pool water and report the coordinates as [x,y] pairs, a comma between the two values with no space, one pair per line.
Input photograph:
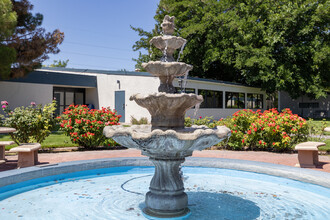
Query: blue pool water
[118,193]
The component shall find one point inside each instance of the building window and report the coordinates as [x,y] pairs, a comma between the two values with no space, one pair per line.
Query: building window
[309,105]
[212,99]
[255,101]
[235,100]
[186,90]
[67,96]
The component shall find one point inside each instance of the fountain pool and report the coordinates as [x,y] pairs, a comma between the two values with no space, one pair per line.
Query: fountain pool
[88,190]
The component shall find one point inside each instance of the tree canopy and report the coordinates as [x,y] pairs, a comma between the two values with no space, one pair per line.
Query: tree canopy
[24,44]
[8,20]
[275,45]
[59,63]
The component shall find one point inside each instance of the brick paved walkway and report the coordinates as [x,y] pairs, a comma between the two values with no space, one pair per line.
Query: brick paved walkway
[276,158]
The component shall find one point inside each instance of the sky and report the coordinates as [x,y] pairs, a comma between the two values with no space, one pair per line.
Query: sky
[97,32]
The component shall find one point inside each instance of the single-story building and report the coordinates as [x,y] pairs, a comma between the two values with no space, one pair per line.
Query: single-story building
[305,106]
[98,88]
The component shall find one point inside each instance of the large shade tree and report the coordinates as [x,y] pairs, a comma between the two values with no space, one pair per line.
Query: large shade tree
[276,45]
[7,26]
[24,44]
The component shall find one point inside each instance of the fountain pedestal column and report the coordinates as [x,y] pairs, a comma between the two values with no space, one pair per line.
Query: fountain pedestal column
[166,141]
[166,197]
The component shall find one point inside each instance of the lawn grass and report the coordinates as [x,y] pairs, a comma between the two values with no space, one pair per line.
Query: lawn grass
[318,123]
[327,147]
[57,139]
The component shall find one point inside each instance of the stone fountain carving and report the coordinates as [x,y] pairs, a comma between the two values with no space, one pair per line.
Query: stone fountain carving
[167,142]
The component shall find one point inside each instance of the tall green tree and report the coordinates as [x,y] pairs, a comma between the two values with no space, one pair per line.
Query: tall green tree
[276,45]
[7,27]
[59,63]
[29,44]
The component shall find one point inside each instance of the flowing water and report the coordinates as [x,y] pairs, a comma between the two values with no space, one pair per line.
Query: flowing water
[197,106]
[165,50]
[150,49]
[184,81]
[181,51]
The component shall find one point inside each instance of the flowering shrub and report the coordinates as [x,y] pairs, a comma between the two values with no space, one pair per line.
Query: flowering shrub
[200,121]
[141,121]
[269,130]
[33,123]
[85,126]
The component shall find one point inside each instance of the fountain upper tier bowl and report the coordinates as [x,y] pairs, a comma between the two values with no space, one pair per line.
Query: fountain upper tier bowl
[167,110]
[167,69]
[158,143]
[168,42]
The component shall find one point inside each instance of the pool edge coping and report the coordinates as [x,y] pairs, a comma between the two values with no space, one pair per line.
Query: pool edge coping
[305,175]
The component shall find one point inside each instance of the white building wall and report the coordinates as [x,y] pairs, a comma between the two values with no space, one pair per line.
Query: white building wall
[285,101]
[107,85]
[22,94]
[217,113]
[92,97]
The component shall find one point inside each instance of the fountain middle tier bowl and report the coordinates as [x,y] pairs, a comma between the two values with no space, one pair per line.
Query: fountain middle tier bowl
[167,69]
[167,42]
[169,144]
[167,110]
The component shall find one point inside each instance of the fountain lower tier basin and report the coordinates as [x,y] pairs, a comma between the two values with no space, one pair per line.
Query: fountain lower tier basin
[167,110]
[166,144]
[118,193]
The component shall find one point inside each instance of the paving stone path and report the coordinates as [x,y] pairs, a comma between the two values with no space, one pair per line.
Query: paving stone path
[276,158]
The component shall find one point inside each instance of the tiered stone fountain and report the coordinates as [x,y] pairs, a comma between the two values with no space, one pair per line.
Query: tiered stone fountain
[166,141]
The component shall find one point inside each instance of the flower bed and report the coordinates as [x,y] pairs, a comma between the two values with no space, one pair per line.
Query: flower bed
[85,126]
[33,123]
[255,130]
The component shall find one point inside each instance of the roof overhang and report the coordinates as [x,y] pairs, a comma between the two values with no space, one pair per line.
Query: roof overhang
[56,78]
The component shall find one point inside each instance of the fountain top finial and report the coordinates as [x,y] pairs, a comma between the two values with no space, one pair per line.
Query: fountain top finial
[168,25]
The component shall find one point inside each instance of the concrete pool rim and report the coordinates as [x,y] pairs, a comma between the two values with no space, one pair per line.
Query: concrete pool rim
[304,175]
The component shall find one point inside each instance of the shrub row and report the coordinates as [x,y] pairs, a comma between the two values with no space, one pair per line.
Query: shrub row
[255,130]
[85,126]
[251,130]
[33,123]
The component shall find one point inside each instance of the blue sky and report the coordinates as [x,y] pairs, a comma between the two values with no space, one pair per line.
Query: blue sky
[97,33]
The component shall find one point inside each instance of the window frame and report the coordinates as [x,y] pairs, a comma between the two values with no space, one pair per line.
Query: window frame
[65,90]
[309,105]
[213,101]
[234,104]
[257,101]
